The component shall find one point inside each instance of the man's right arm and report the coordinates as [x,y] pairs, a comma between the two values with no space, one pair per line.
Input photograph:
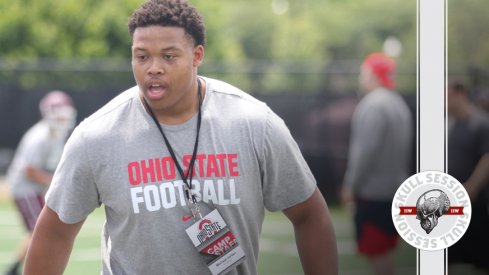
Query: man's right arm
[38,175]
[51,244]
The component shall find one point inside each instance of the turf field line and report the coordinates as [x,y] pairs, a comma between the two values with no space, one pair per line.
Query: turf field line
[85,255]
[278,247]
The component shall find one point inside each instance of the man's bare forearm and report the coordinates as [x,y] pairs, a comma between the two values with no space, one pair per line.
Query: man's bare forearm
[315,236]
[51,245]
[38,175]
[479,179]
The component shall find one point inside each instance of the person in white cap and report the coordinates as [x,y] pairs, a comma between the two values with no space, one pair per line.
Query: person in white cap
[35,160]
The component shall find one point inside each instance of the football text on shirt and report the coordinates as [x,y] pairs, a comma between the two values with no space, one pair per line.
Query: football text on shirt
[154,183]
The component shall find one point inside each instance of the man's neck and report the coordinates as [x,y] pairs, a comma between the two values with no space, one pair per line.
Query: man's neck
[464,110]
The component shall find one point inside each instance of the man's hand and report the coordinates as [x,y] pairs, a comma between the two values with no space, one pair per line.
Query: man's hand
[347,198]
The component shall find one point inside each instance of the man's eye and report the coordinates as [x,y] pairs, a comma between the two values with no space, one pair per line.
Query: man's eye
[141,57]
[168,56]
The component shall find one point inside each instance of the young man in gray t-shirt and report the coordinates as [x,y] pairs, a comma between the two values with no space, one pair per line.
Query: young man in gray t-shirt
[185,167]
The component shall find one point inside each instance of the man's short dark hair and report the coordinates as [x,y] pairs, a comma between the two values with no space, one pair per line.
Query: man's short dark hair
[458,86]
[169,13]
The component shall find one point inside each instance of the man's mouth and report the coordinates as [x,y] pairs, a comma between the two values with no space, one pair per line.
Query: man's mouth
[156,91]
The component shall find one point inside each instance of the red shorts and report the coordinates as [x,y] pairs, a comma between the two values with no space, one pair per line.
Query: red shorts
[30,207]
[375,231]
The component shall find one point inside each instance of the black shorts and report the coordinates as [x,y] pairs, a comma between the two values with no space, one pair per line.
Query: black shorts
[375,231]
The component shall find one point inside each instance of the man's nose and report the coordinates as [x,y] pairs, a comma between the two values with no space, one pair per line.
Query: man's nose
[156,67]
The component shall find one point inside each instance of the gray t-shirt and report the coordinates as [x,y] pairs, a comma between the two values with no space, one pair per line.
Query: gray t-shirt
[247,161]
[380,146]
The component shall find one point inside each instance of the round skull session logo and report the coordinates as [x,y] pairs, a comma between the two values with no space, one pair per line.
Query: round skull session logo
[431,210]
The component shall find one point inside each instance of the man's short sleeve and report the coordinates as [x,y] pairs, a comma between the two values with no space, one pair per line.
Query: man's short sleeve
[287,179]
[73,193]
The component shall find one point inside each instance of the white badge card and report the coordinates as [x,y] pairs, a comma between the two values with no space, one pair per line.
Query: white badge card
[216,243]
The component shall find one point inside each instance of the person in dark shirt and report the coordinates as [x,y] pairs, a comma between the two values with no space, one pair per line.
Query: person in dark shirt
[468,162]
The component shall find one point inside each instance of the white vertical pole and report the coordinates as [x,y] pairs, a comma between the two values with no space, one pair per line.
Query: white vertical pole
[431,134]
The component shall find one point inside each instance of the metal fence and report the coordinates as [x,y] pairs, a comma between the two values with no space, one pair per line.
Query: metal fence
[318,117]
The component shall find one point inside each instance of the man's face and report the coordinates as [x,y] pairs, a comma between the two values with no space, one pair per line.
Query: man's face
[454,100]
[164,64]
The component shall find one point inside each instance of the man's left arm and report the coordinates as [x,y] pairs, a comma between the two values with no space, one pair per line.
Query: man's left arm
[479,178]
[314,235]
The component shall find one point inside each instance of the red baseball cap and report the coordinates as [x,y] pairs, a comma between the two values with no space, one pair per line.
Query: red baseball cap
[383,67]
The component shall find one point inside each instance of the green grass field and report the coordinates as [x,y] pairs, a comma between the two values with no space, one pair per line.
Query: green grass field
[278,254]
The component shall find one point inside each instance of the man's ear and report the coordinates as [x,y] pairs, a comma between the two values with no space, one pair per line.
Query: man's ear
[198,55]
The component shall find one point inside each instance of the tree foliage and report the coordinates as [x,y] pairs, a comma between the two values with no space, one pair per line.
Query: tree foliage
[468,38]
[262,44]
[64,28]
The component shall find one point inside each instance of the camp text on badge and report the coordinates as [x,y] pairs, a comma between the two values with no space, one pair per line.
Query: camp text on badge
[431,210]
